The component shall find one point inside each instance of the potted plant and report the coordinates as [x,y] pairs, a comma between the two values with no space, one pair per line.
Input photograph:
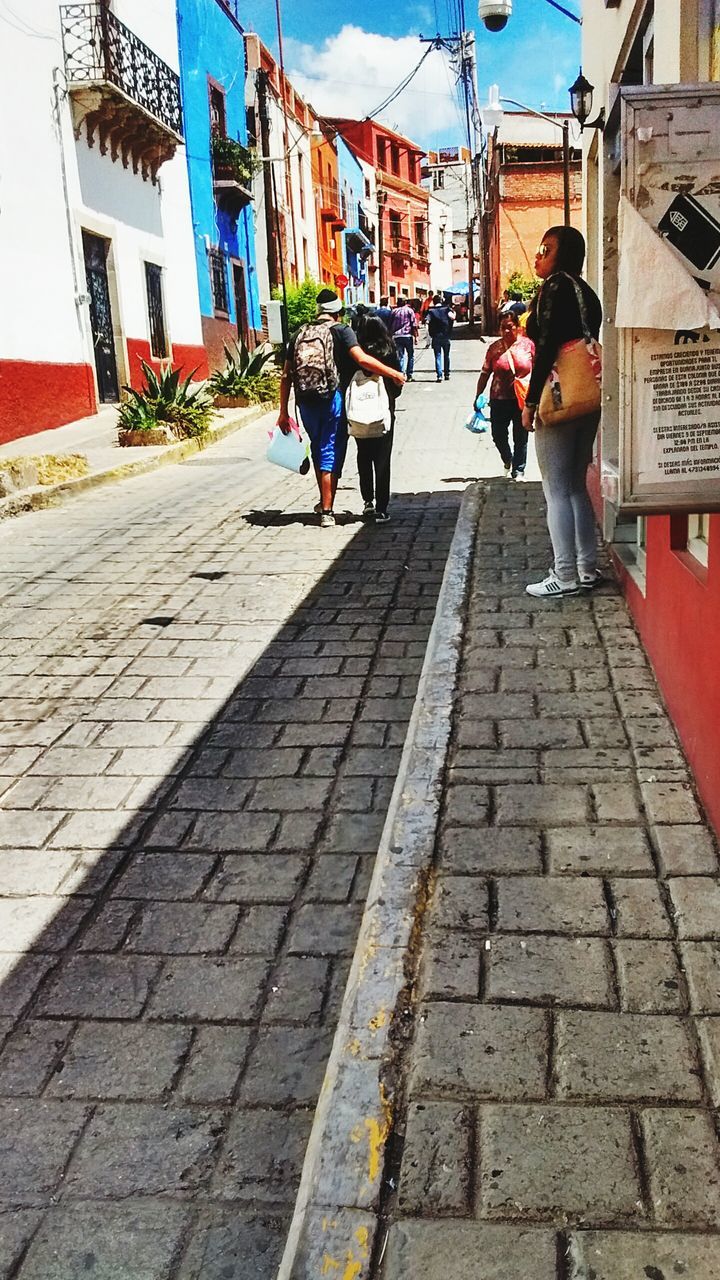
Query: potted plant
[232,161]
[164,409]
[246,379]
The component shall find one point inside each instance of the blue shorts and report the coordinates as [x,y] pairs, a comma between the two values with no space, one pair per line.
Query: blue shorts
[326,425]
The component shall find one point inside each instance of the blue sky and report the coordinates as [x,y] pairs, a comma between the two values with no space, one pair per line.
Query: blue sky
[346,60]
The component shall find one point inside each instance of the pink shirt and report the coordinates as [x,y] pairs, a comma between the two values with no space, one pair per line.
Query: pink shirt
[497,363]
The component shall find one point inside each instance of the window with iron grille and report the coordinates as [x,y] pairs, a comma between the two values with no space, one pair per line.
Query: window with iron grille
[218,280]
[156,313]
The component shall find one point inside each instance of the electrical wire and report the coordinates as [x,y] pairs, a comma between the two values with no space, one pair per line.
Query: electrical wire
[403,85]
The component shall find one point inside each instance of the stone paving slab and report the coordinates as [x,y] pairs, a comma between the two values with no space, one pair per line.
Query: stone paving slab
[564,1067]
[204,702]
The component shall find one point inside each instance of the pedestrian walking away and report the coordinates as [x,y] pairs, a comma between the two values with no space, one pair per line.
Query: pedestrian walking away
[441,319]
[384,313]
[404,328]
[374,453]
[565,311]
[509,358]
[321,360]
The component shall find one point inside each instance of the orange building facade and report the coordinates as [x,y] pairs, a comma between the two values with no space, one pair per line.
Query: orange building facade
[525,194]
[403,253]
[328,211]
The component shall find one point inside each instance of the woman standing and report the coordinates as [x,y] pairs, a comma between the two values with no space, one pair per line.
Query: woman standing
[374,453]
[509,358]
[564,309]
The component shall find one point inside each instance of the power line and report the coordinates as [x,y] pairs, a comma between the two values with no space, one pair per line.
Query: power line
[403,84]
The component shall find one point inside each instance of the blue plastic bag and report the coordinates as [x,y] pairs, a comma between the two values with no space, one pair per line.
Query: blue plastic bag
[478,420]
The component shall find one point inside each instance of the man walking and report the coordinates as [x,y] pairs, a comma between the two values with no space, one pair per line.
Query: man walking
[404,331]
[321,360]
[441,319]
[384,313]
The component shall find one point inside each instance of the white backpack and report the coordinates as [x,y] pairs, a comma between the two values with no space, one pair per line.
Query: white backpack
[367,406]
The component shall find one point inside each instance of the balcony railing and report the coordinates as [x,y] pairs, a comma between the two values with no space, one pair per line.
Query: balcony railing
[399,244]
[120,88]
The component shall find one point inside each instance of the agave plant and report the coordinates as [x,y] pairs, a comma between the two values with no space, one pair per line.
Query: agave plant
[246,375]
[167,401]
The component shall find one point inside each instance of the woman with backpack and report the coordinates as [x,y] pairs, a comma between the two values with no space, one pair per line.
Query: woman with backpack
[320,362]
[374,452]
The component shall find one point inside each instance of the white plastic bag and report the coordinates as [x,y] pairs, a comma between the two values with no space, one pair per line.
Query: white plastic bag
[291,451]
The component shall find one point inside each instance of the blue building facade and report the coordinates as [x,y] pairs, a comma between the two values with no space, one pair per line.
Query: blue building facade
[212,78]
[357,247]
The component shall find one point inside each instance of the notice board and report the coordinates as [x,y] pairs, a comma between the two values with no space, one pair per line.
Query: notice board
[668,305]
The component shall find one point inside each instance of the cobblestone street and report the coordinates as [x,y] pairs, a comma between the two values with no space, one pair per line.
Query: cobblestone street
[563,1082]
[204,699]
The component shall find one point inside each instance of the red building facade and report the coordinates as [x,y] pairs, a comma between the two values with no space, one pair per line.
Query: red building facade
[403,232]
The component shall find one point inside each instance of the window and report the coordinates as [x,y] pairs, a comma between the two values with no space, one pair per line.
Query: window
[395,158]
[156,314]
[367,188]
[381,153]
[420,238]
[438,179]
[698,536]
[218,280]
[395,226]
[301,186]
[217,110]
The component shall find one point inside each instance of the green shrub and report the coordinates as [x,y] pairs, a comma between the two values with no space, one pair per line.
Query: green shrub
[525,285]
[165,401]
[247,375]
[301,302]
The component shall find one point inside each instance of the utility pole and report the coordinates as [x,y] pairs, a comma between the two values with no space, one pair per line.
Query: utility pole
[566,171]
[462,49]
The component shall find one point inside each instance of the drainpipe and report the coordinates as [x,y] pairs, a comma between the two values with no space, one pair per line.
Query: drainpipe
[79,294]
[268,180]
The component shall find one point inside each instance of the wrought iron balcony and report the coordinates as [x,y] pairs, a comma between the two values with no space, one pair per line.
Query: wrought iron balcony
[122,93]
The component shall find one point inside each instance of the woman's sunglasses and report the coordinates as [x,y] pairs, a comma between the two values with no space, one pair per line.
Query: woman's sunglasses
[543,251]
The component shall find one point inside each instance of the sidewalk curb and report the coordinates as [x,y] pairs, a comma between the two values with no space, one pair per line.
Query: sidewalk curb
[336,1212]
[53,495]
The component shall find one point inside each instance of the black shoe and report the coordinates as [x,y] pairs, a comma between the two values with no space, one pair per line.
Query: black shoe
[409,378]
[438,379]
[447,377]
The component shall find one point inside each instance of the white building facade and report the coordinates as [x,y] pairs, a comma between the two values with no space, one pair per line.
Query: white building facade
[97,199]
[447,174]
[280,125]
[440,244]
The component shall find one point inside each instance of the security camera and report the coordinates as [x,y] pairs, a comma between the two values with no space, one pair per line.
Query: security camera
[494,13]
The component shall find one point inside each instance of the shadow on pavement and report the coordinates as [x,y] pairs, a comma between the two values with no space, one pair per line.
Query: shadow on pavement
[166,1030]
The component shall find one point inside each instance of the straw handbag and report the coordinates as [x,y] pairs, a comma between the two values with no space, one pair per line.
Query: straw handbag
[572,389]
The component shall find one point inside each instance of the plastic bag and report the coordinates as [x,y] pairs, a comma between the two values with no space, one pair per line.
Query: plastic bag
[291,451]
[476,423]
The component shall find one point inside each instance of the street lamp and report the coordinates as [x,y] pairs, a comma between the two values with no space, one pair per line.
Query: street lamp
[581,98]
[492,117]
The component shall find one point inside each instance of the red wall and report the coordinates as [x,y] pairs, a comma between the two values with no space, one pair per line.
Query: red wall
[36,396]
[679,619]
[183,357]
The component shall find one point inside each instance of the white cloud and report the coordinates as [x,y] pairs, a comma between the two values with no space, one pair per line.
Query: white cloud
[351,73]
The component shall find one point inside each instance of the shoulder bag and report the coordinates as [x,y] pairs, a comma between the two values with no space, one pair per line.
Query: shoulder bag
[520,385]
[572,389]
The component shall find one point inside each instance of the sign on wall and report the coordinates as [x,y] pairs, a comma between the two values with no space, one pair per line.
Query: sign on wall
[669,299]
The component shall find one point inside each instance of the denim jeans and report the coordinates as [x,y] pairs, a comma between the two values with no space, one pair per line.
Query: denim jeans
[405,348]
[441,347]
[564,453]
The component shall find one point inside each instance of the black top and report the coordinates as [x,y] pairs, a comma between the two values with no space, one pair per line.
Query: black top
[554,319]
[439,322]
[344,338]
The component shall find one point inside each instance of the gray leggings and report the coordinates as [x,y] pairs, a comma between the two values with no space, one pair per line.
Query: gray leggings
[564,453]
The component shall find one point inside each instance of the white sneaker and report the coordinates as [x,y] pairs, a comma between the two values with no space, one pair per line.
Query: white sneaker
[588,581]
[368,510]
[552,586]
[508,470]
[318,508]
[327,519]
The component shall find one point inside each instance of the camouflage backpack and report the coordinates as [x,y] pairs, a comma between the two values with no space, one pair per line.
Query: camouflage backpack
[314,367]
